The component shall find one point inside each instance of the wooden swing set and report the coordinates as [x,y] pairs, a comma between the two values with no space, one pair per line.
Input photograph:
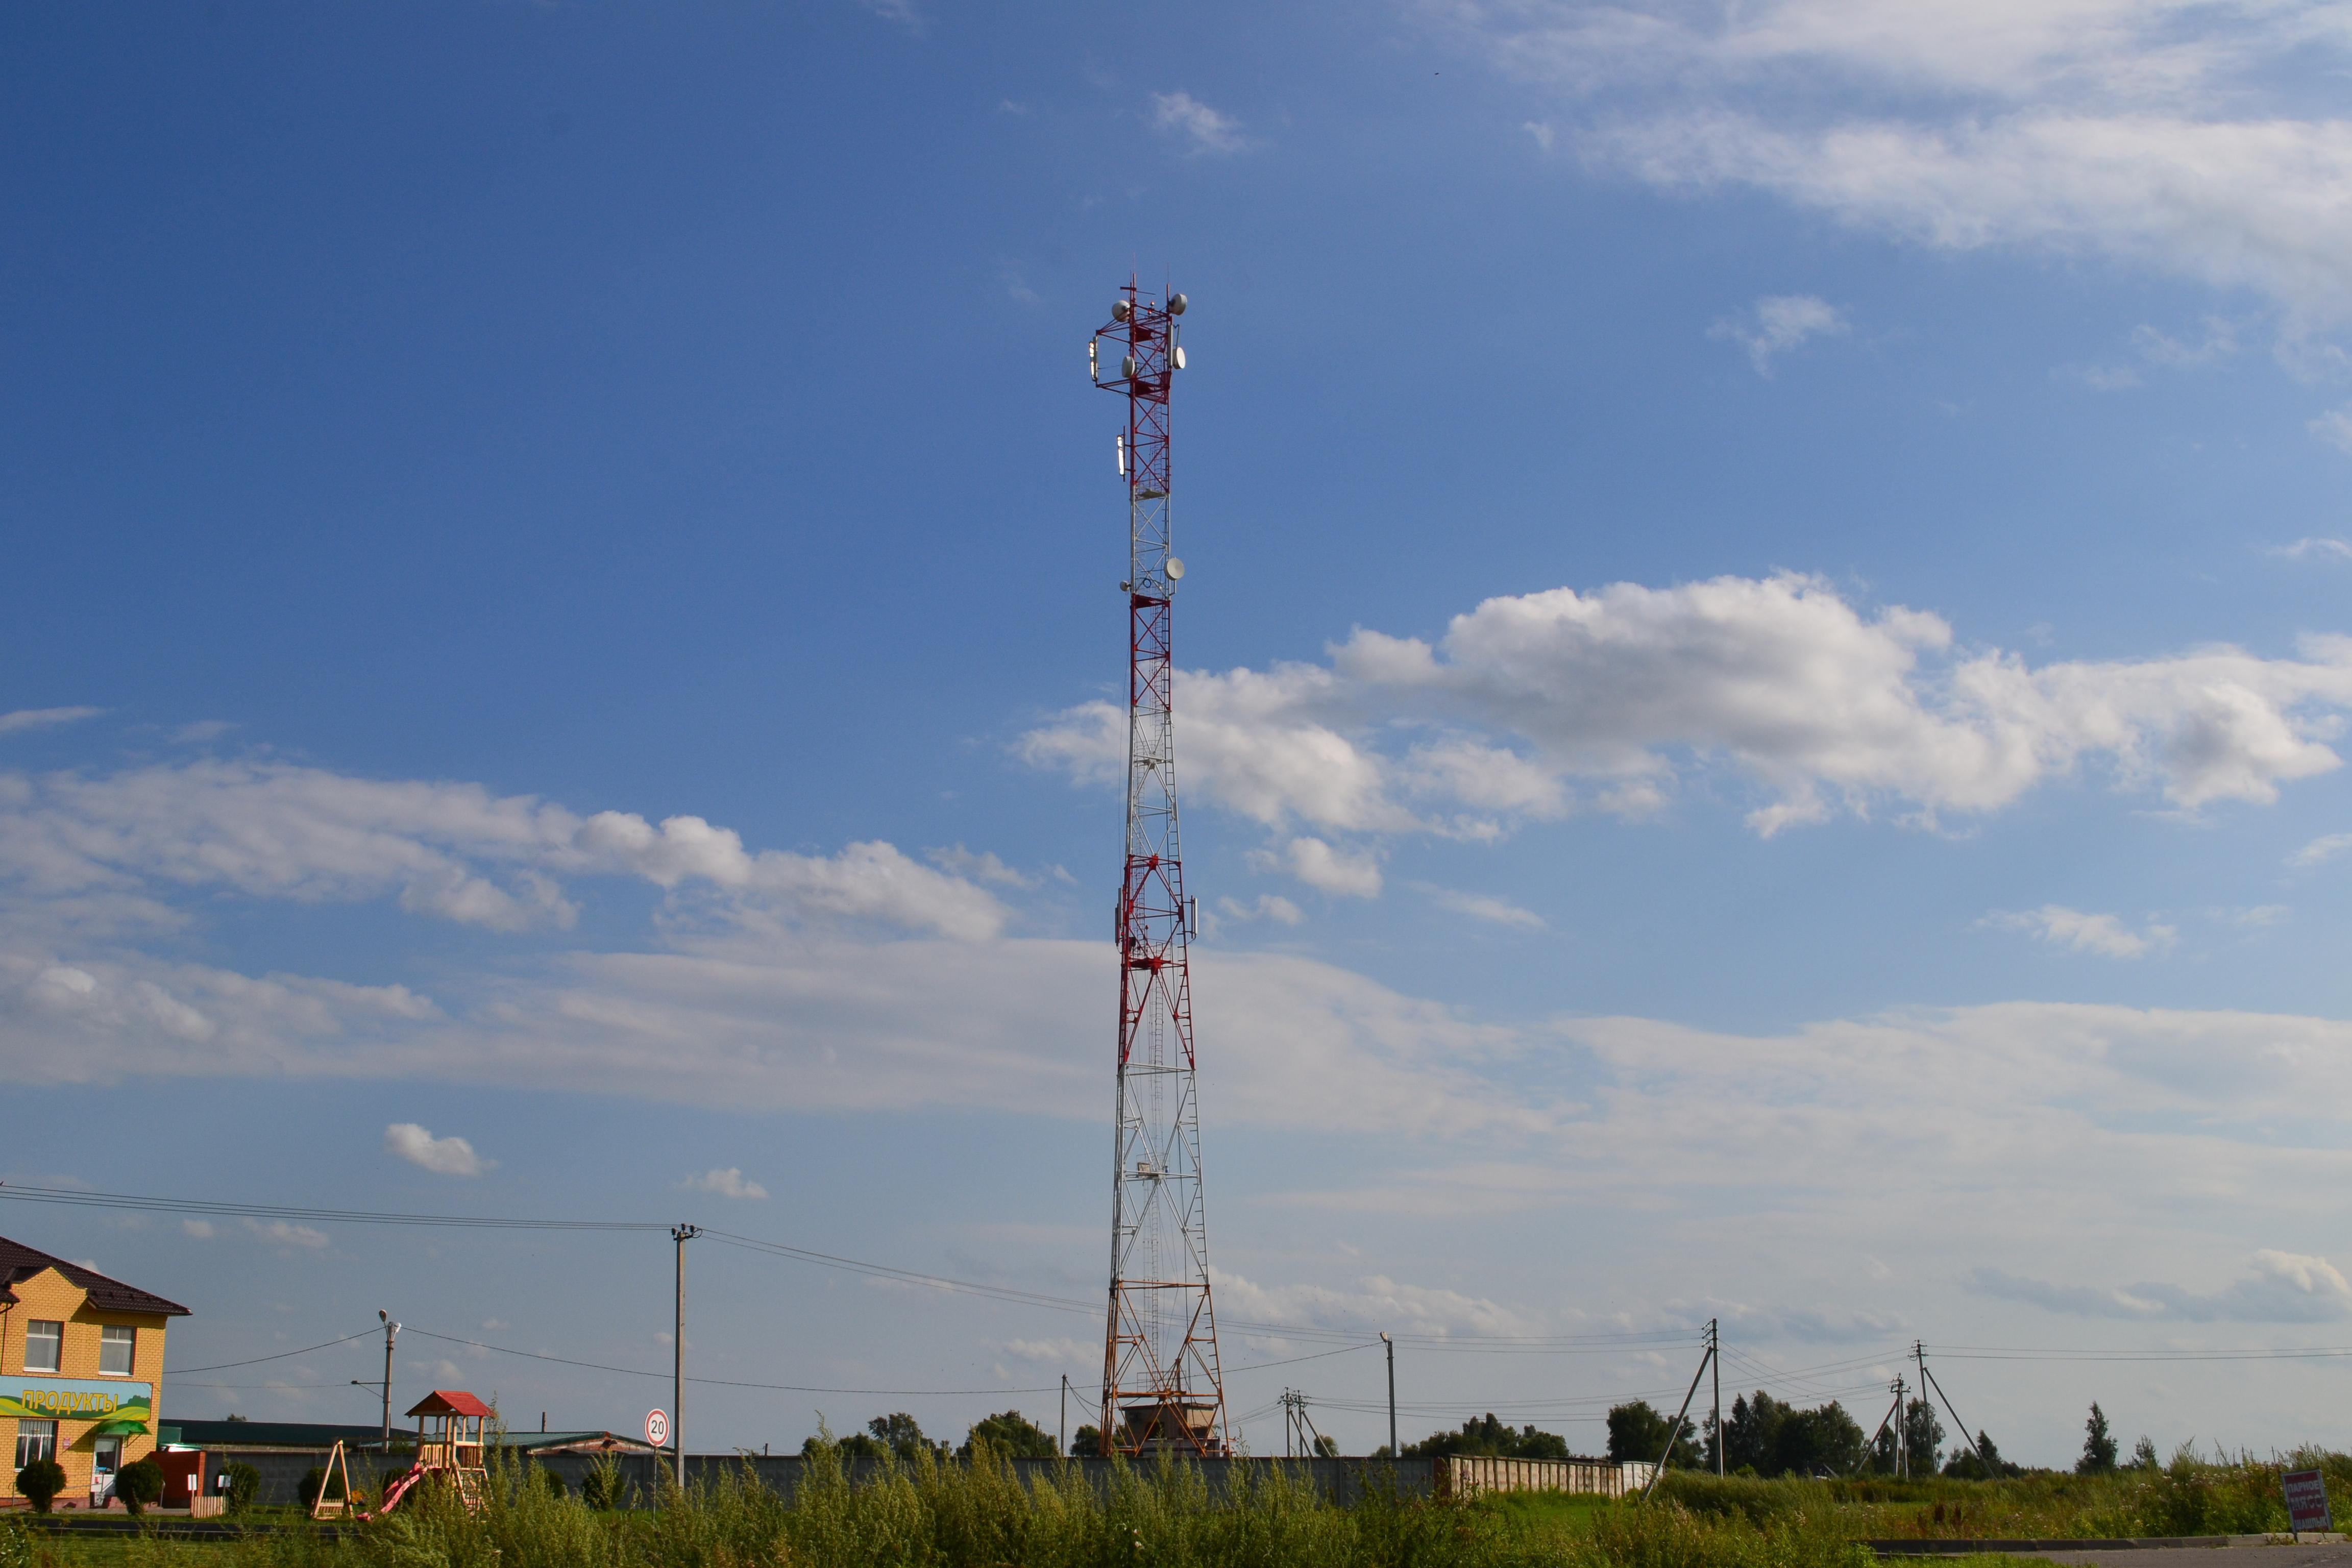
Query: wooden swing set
[449,1445]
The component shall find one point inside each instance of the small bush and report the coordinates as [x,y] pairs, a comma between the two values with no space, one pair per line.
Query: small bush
[15,1545]
[41,1482]
[552,1482]
[602,1486]
[244,1485]
[138,1484]
[316,1478]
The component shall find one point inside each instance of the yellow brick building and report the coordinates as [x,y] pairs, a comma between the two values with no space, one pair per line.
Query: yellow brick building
[81,1370]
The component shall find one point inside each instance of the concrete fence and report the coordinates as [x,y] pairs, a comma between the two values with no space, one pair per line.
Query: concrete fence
[1467,1476]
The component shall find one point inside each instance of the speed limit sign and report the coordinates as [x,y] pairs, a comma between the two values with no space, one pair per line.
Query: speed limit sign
[657,1429]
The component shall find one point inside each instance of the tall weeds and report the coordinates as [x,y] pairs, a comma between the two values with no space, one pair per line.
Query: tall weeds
[927,1514]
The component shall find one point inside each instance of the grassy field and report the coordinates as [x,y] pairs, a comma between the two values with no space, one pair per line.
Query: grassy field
[928,1515]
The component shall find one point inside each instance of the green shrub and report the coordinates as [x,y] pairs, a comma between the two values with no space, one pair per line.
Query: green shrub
[15,1545]
[602,1486]
[139,1484]
[41,1482]
[244,1485]
[314,1480]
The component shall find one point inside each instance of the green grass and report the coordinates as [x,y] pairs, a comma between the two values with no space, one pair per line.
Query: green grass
[928,1514]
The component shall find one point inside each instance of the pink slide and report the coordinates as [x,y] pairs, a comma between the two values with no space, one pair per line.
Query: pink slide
[399,1489]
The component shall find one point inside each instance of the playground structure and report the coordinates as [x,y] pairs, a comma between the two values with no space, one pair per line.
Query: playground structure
[449,1445]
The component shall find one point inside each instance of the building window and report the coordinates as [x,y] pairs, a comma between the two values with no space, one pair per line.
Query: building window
[115,1347]
[35,1440]
[106,1456]
[43,1342]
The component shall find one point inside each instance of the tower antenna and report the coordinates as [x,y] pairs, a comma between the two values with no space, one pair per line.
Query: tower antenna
[1163,1388]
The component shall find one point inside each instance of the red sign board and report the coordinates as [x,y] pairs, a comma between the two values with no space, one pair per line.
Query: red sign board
[2306,1501]
[657,1428]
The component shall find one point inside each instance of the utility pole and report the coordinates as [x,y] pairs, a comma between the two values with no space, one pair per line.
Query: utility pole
[1715,1360]
[391,1331]
[1065,1413]
[1929,1378]
[1394,1452]
[1674,1427]
[681,1233]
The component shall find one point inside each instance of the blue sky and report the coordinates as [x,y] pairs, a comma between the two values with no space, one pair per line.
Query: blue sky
[1765,649]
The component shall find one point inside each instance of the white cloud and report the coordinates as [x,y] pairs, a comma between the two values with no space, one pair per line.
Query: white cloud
[2169,134]
[1540,131]
[1824,706]
[1376,1302]
[201,1229]
[44,718]
[2335,427]
[1484,907]
[777,1018]
[983,866]
[2220,343]
[727,1184]
[285,1235]
[899,14]
[2319,849]
[1321,867]
[2102,934]
[1055,1351]
[1782,323]
[2304,549]
[2279,1288]
[452,850]
[1266,907]
[1209,131]
[443,1156]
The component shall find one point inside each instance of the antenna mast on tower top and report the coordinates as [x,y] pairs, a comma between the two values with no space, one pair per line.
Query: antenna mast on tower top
[1163,1388]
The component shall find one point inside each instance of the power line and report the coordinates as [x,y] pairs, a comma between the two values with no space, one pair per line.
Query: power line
[257,1360]
[73,1199]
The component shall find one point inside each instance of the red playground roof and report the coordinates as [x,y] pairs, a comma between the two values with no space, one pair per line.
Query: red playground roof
[451,1402]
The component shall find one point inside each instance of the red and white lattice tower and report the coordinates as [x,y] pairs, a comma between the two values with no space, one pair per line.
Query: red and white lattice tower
[1163,1388]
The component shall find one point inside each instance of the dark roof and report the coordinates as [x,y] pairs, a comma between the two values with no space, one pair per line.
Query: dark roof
[323,1436]
[276,1434]
[451,1402]
[537,1442]
[19,1261]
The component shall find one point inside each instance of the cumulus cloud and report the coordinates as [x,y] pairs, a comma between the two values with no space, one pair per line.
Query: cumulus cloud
[1265,907]
[2335,427]
[1781,322]
[2165,134]
[1374,1302]
[44,718]
[1534,704]
[2322,849]
[287,1237]
[1319,866]
[1181,115]
[2102,934]
[2278,1287]
[442,1156]
[1484,907]
[450,850]
[2308,548]
[730,1182]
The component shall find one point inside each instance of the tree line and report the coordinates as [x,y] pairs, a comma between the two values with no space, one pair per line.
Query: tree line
[1765,1437]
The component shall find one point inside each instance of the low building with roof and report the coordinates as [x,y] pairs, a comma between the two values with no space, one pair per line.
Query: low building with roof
[81,1371]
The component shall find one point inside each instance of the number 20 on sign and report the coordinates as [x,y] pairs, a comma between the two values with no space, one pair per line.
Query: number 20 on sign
[657,1427]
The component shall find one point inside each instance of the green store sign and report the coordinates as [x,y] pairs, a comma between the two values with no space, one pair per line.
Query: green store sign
[76,1399]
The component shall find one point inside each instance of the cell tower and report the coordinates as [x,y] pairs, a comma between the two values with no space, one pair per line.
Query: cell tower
[1163,1388]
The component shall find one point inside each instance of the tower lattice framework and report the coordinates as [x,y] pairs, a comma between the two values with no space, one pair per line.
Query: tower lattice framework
[1163,1387]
